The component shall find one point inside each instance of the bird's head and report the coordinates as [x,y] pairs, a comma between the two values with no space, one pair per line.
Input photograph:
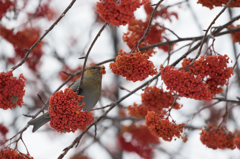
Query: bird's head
[94,71]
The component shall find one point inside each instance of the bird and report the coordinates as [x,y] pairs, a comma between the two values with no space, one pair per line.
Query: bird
[90,89]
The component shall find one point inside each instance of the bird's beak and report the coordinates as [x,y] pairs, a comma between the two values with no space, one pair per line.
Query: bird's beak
[103,70]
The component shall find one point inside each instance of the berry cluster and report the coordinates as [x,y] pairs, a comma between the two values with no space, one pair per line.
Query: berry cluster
[66,69]
[12,90]
[217,137]
[80,155]
[66,113]
[9,153]
[133,66]
[139,111]
[201,80]
[141,140]
[162,127]
[156,99]
[236,35]
[218,3]
[237,141]
[213,71]
[118,12]
[162,12]
[137,28]
[24,39]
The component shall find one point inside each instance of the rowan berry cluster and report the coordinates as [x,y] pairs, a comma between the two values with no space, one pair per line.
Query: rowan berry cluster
[24,39]
[162,12]
[185,84]
[141,140]
[66,69]
[216,137]
[213,71]
[218,3]
[44,11]
[12,90]
[157,99]
[153,99]
[163,127]
[139,111]
[9,153]
[237,141]
[137,28]
[236,35]
[66,113]
[201,80]
[133,66]
[118,12]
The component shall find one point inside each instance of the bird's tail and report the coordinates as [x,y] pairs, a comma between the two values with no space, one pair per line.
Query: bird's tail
[40,121]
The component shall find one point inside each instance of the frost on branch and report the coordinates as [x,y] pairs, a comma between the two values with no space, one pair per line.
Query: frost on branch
[133,66]
[12,90]
[66,115]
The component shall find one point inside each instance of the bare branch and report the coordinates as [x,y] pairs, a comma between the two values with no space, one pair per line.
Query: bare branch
[88,52]
[149,24]
[206,32]
[47,31]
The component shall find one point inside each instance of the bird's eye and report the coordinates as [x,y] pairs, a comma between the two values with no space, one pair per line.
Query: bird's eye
[94,67]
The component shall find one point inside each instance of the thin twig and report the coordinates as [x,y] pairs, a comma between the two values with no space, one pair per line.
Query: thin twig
[149,24]
[196,20]
[205,108]
[88,52]
[176,51]
[227,100]
[47,31]
[170,31]
[206,32]
[112,105]
[236,61]
[215,33]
